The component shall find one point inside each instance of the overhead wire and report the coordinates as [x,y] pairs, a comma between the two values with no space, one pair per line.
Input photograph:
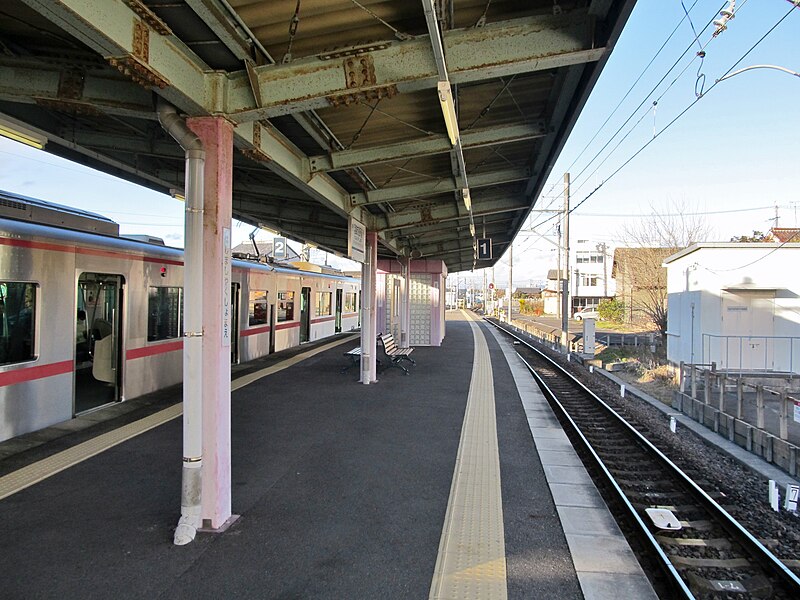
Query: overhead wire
[685,110]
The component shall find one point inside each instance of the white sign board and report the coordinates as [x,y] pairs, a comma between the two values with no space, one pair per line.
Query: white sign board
[226,287]
[792,497]
[357,241]
[796,415]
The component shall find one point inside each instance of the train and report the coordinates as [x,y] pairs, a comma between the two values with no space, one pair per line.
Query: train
[89,317]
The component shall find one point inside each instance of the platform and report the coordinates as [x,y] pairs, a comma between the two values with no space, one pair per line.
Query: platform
[454,481]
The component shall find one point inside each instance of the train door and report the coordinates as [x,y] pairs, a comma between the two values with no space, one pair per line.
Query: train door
[338,327]
[98,341]
[271,328]
[305,314]
[235,300]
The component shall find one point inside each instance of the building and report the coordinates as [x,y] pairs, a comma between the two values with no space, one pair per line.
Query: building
[590,278]
[736,305]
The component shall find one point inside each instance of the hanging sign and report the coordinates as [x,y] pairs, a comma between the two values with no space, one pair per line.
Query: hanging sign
[279,248]
[357,241]
[485,249]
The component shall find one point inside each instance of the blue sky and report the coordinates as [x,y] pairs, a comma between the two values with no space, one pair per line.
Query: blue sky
[735,150]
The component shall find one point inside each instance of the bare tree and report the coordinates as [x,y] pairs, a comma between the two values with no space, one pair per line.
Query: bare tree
[639,274]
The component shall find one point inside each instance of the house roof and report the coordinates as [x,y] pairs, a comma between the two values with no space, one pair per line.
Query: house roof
[783,234]
[728,245]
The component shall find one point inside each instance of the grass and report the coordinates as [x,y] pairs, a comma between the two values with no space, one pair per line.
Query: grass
[648,371]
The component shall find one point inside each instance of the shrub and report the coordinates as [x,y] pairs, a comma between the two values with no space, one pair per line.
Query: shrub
[611,310]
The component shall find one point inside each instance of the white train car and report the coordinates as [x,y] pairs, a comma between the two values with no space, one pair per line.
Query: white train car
[89,318]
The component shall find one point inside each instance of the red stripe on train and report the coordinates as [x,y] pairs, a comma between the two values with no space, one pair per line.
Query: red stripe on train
[134,353]
[254,331]
[38,372]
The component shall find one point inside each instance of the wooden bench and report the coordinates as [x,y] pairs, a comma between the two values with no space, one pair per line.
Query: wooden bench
[394,353]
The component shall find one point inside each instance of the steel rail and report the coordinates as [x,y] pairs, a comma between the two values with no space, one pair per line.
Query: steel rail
[755,549]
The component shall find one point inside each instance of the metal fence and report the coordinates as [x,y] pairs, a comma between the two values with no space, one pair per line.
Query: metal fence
[762,417]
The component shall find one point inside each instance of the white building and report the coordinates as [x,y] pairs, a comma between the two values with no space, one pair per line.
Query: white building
[735,304]
[590,279]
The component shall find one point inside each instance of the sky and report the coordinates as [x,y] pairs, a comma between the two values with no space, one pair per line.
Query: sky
[730,158]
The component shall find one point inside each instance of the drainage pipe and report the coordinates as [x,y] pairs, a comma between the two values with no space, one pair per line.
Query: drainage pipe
[191,481]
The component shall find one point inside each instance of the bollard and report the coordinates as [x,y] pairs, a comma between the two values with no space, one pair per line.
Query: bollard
[784,416]
[682,379]
[707,387]
[693,375]
[760,406]
[721,379]
[739,397]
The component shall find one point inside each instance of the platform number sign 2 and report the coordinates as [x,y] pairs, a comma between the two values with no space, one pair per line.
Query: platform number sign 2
[279,248]
[484,248]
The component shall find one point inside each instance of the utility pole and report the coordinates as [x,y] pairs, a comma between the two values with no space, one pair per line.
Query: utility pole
[564,277]
[510,277]
[558,272]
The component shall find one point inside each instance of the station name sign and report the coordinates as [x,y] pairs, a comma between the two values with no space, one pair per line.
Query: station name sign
[357,241]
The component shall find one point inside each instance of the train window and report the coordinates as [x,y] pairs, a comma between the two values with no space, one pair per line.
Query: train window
[259,308]
[323,303]
[349,302]
[285,306]
[164,318]
[17,321]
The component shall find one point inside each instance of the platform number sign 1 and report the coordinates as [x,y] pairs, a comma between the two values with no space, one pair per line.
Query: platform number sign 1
[279,248]
[484,248]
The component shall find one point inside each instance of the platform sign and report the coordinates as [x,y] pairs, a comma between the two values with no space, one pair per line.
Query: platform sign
[796,412]
[279,248]
[484,248]
[357,241]
[792,497]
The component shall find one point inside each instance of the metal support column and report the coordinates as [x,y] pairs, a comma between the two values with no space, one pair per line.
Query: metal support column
[369,311]
[217,136]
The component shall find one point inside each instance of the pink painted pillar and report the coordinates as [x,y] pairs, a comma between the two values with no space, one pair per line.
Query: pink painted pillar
[369,308]
[217,136]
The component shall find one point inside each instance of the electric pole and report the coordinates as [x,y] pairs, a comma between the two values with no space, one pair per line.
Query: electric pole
[510,277]
[564,277]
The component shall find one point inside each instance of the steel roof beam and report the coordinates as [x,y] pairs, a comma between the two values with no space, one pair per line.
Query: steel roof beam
[434,214]
[500,49]
[437,144]
[445,185]
[75,92]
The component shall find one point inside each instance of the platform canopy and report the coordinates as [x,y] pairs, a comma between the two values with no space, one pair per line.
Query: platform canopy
[431,122]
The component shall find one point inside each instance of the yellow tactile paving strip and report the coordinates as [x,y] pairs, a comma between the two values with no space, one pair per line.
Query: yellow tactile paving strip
[472,556]
[36,472]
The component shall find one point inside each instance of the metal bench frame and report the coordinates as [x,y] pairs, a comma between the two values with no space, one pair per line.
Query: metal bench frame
[394,353]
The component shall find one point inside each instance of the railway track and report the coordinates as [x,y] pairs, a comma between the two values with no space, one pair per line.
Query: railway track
[700,550]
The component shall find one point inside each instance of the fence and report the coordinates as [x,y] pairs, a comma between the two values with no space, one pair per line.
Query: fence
[759,417]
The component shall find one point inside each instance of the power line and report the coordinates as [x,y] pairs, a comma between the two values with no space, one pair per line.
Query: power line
[685,110]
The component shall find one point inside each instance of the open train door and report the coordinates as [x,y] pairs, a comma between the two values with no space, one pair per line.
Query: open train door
[235,299]
[98,341]
[305,314]
[338,327]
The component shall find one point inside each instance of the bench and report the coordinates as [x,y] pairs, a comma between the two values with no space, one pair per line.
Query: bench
[355,359]
[394,353]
